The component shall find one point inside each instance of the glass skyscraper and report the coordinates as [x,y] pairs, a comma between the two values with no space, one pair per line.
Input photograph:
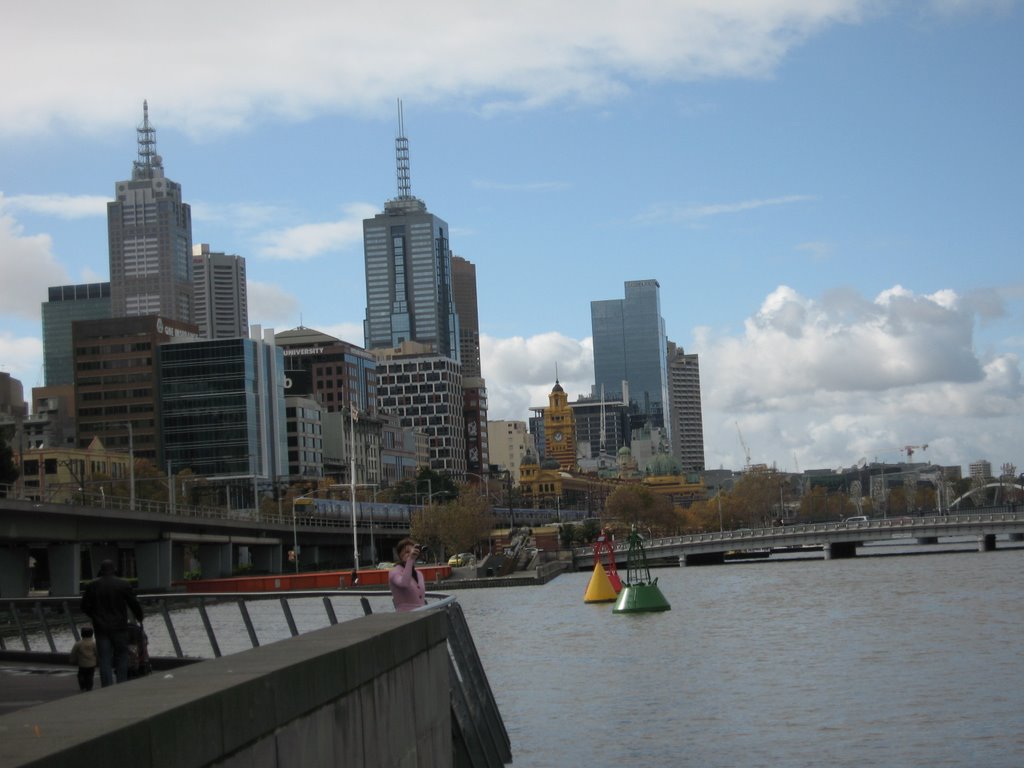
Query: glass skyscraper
[67,303]
[630,353]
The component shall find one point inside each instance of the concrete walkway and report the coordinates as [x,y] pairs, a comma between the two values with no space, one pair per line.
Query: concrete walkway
[26,685]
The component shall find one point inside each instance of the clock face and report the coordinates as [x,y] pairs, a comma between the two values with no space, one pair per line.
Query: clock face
[558,437]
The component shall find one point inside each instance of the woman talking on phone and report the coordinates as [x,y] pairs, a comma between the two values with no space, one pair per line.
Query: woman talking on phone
[408,587]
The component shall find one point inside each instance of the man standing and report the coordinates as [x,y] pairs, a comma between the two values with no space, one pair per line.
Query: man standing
[107,601]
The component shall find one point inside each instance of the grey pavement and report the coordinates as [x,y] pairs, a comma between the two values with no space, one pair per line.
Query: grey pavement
[27,684]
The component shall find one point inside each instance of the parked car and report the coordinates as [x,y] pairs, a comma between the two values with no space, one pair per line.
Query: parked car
[461,559]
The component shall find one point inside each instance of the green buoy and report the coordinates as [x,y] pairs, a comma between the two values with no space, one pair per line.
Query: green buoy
[640,593]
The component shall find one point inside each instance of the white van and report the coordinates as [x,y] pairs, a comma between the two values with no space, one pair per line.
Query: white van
[856,519]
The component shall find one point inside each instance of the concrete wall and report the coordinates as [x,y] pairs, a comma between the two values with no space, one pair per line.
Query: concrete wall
[369,692]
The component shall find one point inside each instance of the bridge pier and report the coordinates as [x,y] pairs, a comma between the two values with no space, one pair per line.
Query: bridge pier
[215,560]
[1017,537]
[65,569]
[15,576]
[704,558]
[840,550]
[267,558]
[154,565]
[987,542]
[927,539]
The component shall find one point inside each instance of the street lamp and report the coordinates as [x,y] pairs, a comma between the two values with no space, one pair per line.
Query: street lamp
[295,530]
[352,487]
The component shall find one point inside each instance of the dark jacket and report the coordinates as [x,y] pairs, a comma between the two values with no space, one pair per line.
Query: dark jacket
[107,600]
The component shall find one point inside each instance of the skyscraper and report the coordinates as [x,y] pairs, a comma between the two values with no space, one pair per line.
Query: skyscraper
[218,285]
[474,388]
[67,303]
[149,230]
[408,272]
[687,419]
[630,353]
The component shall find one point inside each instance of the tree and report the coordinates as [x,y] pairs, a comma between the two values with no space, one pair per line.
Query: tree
[457,526]
[640,506]
[8,471]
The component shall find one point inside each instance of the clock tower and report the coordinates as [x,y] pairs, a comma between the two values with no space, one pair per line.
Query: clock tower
[560,429]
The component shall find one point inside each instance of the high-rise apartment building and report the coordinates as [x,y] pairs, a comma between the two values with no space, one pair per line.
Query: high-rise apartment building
[65,304]
[218,288]
[149,230]
[687,428]
[630,353]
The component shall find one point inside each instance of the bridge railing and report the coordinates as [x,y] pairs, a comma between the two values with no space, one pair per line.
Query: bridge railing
[765,535]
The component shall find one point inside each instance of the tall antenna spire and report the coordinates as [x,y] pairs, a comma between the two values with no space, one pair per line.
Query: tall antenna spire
[148,158]
[402,157]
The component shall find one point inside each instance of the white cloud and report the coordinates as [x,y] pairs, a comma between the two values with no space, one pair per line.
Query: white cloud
[28,268]
[520,372]
[310,56]
[671,212]
[22,358]
[59,205]
[308,241]
[271,306]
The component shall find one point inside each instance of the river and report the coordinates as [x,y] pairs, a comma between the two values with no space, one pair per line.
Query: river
[873,661]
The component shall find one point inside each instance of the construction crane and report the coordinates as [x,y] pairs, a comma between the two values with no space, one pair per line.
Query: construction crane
[909,450]
[746,451]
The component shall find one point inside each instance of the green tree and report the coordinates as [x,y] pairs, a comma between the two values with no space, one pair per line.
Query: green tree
[457,526]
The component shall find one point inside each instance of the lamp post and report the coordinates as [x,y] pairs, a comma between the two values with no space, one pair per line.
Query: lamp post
[295,530]
[376,487]
[131,467]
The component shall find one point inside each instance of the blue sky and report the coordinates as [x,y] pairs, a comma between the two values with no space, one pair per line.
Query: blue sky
[829,193]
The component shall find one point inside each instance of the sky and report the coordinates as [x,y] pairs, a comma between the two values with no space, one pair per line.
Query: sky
[829,194]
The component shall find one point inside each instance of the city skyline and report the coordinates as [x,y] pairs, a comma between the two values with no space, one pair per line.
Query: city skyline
[828,196]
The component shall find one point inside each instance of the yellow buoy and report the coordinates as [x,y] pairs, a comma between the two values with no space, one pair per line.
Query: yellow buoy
[600,589]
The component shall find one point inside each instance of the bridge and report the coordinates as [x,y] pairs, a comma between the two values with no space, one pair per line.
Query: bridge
[837,540]
[158,533]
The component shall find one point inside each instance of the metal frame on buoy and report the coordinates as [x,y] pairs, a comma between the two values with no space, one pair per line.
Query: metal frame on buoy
[605,584]
[640,593]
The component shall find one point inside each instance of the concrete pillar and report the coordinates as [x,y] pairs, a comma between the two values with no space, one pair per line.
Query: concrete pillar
[267,558]
[1017,537]
[704,558]
[15,576]
[840,550]
[177,562]
[96,555]
[153,563]
[65,569]
[987,542]
[215,560]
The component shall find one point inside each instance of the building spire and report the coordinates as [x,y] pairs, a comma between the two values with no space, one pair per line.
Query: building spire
[402,158]
[148,158]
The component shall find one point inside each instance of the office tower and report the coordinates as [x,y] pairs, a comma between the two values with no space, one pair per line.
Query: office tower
[474,409]
[408,272]
[223,408]
[687,421]
[116,397]
[67,303]
[630,353]
[334,372]
[149,230]
[509,442]
[218,287]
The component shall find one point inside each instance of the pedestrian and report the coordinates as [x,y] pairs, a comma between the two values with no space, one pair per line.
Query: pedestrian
[107,601]
[408,587]
[83,655]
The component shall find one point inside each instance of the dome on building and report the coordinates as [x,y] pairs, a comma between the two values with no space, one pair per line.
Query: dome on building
[557,387]
[528,459]
[664,464]
[624,451]
[550,463]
